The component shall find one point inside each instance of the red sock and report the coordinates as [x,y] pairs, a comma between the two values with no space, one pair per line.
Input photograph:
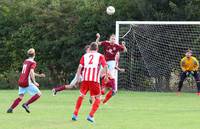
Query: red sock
[60,88]
[33,99]
[108,96]
[95,106]
[15,103]
[78,105]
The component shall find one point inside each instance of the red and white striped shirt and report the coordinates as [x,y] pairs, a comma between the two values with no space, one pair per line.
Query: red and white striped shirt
[91,66]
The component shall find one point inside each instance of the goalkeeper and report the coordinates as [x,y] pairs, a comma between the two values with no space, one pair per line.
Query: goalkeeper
[189,65]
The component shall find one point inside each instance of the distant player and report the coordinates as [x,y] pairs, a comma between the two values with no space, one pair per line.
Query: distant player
[27,83]
[73,82]
[90,62]
[111,48]
[189,66]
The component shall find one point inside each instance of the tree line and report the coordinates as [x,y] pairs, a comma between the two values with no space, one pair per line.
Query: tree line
[59,30]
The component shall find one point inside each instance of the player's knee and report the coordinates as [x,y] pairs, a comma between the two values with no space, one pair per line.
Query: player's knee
[82,96]
[39,93]
[21,96]
[98,97]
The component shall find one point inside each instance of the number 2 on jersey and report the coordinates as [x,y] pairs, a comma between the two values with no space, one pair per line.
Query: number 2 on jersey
[24,68]
[91,59]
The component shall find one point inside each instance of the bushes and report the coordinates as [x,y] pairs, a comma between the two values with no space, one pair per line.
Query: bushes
[59,30]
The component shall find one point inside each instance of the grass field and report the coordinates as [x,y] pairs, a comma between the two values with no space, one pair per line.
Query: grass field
[127,110]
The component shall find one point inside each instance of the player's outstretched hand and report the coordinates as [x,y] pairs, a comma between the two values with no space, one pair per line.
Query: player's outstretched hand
[123,43]
[37,84]
[122,70]
[42,75]
[98,35]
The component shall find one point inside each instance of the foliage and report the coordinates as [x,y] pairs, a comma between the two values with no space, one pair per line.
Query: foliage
[59,29]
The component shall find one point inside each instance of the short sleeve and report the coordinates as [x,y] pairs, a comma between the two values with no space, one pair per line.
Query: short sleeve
[120,48]
[82,61]
[104,43]
[33,66]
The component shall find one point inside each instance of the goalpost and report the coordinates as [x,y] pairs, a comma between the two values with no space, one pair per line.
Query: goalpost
[155,49]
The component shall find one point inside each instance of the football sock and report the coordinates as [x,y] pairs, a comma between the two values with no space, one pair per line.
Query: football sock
[108,96]
[60,88]
[78,105]
[180,86]
[95,106]
[33,99]
[16,102]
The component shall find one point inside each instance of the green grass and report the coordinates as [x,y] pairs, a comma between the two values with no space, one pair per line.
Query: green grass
[126,110]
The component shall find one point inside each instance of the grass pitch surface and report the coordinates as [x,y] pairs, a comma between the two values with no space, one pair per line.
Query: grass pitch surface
[126,110]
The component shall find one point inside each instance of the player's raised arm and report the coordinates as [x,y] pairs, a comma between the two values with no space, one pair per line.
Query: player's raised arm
[124,46]
[98,38]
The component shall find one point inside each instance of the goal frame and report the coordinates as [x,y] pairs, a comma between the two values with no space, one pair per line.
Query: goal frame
[118,23]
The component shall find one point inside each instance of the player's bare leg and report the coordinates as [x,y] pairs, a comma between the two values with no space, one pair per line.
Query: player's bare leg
[15,103]
[94,108]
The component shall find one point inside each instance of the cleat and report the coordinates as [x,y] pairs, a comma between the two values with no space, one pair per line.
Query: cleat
[91,119]
[74,117]
[10,110]
[26,107]
[198,94]
[54,92]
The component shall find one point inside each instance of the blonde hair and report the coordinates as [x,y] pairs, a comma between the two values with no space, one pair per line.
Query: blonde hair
[31,52]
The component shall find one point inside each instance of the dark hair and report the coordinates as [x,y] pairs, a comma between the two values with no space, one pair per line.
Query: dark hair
[93,46]
[86,47]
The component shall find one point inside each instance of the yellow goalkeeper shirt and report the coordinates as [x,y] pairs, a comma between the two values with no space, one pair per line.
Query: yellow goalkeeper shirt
[189,64]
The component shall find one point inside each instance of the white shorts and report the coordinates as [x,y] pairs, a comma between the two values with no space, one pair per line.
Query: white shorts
[31,89]
[74,81]
[111,67]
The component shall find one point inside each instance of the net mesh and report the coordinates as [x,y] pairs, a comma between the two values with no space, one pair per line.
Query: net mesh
[154,54]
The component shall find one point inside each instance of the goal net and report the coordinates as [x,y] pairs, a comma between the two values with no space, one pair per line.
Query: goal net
[154,53]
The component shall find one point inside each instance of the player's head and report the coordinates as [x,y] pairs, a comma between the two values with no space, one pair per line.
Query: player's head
[87,48]
[112,38]
[31,52]
[188,54]
[94,46]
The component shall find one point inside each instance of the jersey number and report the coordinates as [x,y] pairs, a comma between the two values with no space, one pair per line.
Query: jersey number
[91,59]
[24,68]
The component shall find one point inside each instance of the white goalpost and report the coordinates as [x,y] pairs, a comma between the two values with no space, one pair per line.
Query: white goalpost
[154,51]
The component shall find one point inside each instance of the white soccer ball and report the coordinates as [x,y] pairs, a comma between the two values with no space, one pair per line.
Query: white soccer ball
[110,10]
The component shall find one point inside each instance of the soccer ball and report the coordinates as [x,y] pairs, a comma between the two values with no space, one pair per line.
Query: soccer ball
[110,10]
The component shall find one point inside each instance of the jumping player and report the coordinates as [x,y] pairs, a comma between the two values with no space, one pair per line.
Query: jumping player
[27,83]
[189,65]
[90,62]
[73,83]
[111,48]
